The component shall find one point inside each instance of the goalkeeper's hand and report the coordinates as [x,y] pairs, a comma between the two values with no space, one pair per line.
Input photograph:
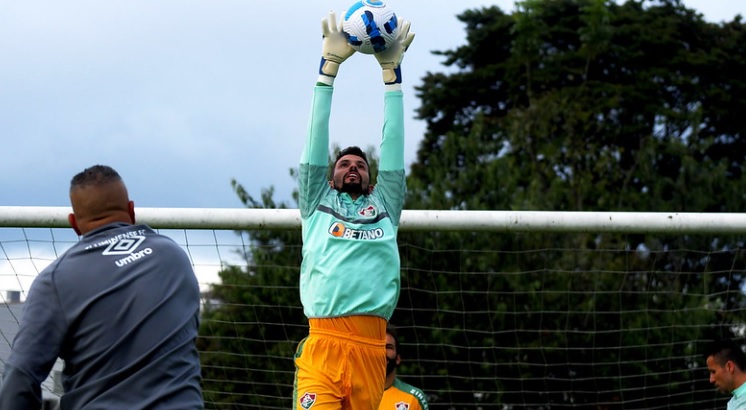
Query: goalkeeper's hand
[390,59]
[335,48]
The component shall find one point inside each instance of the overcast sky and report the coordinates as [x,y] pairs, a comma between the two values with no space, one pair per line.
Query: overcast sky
[182,96]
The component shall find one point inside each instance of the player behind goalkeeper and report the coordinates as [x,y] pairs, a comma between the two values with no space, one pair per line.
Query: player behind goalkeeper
[350,274]
[726,363]
[398,395]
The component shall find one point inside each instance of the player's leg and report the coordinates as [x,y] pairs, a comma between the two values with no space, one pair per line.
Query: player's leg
[318,383]
[368,376]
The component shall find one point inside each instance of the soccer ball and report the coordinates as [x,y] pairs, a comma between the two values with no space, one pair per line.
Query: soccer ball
[370,26]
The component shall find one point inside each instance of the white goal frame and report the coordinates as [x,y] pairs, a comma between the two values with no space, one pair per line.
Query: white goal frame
[411,220]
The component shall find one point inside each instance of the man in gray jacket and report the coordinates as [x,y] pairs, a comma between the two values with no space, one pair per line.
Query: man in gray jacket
[120,307]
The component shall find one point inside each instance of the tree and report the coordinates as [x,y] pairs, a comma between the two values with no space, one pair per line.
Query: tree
[252,320]
[580,105]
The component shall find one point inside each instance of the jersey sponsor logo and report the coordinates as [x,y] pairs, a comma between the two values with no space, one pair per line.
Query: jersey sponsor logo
[307,400]
[402,406]
[134,256]
[339,230]
[369,212]
[127,246]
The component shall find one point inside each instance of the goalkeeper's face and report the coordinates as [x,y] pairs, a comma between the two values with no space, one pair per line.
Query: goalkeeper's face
[351,175]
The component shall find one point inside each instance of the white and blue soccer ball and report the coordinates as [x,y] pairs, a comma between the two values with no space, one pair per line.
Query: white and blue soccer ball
[370,26]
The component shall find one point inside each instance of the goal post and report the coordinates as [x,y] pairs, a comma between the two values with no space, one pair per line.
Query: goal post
[498,309]
[411,220]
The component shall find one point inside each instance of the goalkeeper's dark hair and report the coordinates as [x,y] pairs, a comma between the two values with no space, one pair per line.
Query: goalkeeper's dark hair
[726,350]
[352,150]
[391,329]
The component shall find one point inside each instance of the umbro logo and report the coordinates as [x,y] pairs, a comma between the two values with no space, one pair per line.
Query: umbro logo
[127,246]
[123,246]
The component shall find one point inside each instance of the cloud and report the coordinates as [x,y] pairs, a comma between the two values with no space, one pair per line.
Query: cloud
[182,96]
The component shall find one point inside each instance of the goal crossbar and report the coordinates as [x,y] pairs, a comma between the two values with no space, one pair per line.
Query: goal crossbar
[411,220]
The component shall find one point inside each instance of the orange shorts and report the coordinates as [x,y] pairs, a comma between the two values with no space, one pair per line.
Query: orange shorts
[341,364]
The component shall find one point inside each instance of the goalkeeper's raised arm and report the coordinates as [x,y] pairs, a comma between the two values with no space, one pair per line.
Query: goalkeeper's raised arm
[350,273]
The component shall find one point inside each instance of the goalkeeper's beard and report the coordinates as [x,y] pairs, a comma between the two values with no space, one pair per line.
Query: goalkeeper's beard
[353,188]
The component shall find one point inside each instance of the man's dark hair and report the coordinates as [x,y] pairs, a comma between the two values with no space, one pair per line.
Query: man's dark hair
[391,329]
[95,175]
[353,150]
[726,350]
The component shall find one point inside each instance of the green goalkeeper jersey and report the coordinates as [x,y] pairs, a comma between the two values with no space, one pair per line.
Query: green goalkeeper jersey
[350,255]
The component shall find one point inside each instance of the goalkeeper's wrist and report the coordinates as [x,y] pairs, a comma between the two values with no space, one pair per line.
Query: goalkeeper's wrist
[392,75]
[392,87]
[328,68]
[325,80]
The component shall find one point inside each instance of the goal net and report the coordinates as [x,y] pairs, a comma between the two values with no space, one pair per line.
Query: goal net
[497,310]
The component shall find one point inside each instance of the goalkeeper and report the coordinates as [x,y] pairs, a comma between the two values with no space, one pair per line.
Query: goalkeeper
[350,274]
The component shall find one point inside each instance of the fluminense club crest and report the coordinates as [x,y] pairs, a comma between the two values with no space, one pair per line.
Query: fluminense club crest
[308,400]
[402,406]
[369,211]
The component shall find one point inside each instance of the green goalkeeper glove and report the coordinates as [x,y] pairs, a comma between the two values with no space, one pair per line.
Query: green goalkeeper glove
[335,48]
[391,58]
